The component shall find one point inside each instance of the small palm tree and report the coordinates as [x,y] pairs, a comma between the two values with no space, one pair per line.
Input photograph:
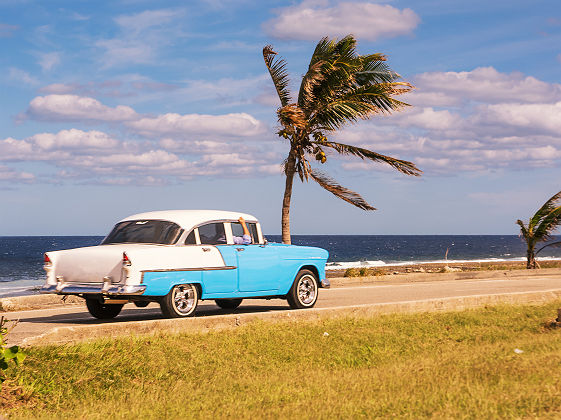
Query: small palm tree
[539,228]
[339,88]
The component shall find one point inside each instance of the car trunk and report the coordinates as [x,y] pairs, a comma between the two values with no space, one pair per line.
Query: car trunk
[89,265]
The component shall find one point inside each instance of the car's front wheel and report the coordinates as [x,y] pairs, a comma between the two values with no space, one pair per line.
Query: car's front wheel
[181,301]
[304,291]
[228,303]
[101,310]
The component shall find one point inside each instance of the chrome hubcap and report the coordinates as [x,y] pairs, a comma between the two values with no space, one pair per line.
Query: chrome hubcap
[307,290]
[184,299]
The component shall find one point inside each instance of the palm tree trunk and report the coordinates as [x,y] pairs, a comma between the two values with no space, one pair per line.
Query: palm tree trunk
[531,262]
[285,220]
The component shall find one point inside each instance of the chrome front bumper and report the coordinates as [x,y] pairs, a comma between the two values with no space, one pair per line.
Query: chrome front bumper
[325,283]
[105,289]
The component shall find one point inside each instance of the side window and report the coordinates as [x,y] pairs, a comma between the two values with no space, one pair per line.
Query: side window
[237,230]
[253,231]
[191,240]
[212,234]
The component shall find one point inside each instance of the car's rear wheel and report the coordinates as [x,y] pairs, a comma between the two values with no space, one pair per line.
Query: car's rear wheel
[101,310]
[304,291]
[181,301]
[228,303]
[141,303]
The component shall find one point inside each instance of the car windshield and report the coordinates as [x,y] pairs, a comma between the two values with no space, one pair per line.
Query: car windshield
[144,232]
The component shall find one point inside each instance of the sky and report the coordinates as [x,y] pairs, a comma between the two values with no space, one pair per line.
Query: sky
[115,108]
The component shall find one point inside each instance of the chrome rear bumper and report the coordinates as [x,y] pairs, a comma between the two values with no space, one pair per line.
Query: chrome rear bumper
[325,283]
[105,289]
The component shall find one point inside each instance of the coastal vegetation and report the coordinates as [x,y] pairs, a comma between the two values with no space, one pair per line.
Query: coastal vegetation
[340,87]
[493,362]
[540,227]
[12,354]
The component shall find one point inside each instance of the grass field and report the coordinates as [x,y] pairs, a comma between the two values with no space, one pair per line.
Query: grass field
[440,365]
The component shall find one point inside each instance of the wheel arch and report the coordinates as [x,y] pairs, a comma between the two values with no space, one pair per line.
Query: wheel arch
[313,269]
[196,283]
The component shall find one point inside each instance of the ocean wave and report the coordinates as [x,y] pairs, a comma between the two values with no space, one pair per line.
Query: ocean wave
[343,265]
[18,291]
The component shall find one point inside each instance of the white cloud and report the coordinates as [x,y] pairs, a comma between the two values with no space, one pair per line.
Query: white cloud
[13,149]
[97,157]
[48,61]
[74,139]
[483,84]
[9,174]
[137,23]
[142,36]
[58,146]
[77,108]
[224,89]
[22,76]
[58,88]
[235,125]
[153,157]
[227,159]
[430,119]
[314,20]
[531,118]
[125,86]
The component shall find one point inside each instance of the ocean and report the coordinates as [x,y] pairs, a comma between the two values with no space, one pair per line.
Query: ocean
[21,257]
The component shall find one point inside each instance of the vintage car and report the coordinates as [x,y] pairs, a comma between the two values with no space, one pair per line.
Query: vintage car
[177,258]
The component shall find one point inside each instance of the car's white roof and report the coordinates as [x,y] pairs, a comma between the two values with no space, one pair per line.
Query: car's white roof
[189,218]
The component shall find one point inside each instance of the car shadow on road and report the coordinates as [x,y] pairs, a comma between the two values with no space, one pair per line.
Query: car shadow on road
[145,314]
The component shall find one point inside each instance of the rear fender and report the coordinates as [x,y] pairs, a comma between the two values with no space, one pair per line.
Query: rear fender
[159,283]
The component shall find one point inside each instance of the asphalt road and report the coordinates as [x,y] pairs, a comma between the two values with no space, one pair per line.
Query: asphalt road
[36,322]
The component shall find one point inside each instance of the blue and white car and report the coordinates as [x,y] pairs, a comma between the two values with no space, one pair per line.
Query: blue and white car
[178,258]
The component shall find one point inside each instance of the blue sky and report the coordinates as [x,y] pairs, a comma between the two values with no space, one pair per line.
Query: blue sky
[113,108]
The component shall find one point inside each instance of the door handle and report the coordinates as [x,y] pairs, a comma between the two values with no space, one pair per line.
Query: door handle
[206,249]
[240,249]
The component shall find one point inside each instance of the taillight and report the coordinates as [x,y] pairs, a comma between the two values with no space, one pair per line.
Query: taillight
[126,260]
[47,260]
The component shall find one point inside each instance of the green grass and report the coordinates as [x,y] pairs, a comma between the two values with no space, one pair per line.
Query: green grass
[439,365]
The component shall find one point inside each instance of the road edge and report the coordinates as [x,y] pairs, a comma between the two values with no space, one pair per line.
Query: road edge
[75,334]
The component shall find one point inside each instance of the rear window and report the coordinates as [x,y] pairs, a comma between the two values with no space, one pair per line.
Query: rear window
[144,232]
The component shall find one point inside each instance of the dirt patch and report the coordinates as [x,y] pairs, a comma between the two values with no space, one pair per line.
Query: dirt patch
[12,396]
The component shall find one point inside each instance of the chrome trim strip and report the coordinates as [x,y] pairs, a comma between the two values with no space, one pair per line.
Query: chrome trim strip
[226,267]
[48,288]
[70,289]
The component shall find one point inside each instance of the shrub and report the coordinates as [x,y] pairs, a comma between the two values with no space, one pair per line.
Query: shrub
[351,272]
[363,272]
[13,353]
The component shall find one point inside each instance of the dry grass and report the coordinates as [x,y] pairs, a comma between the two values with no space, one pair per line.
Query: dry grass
[437,365]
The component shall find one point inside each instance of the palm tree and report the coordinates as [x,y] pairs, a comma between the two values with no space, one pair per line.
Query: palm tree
[539,228]
[339,88]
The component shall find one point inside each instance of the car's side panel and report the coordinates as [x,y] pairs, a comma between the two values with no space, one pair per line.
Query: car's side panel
[258,267]
[222,281]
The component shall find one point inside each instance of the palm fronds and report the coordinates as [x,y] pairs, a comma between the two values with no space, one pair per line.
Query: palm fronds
[540,227]
[277,70]
[553,244]
[545,210]
[548,224]
[343,193]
